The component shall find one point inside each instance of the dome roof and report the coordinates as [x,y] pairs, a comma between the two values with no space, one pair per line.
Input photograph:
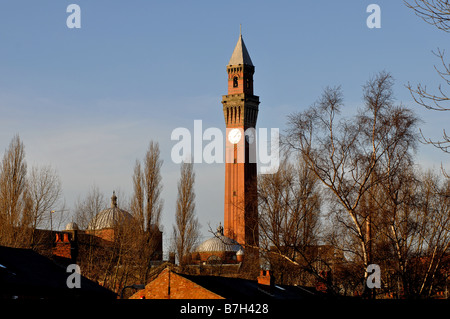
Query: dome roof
[72,226]
[110,217]
[219,243]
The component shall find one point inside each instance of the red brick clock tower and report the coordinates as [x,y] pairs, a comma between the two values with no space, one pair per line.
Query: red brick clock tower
[240,109]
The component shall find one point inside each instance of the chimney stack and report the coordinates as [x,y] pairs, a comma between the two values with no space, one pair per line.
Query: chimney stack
[64,249]
[265,278]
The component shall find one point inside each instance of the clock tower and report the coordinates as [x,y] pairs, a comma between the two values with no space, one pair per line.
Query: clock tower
[240,110]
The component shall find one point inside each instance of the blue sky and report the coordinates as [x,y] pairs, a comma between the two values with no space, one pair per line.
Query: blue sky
[88,101]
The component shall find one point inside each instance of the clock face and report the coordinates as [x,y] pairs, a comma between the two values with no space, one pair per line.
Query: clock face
[234,136]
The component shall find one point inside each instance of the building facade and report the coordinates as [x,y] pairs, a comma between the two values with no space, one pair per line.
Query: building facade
[240,109]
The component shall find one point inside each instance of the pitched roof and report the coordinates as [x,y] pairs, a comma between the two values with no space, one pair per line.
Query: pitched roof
[240,54]
[25,273]
[235,288]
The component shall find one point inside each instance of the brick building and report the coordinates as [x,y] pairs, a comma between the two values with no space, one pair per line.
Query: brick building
[240,110]
[169,284]
[101,232]
[218,249]
[106,222]
[229,245]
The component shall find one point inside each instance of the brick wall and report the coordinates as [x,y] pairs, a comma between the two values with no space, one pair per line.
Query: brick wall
[62,246]
[105,234]
[265,278]
[169,285]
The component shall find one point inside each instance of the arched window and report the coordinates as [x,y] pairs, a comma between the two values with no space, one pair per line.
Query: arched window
[235,82]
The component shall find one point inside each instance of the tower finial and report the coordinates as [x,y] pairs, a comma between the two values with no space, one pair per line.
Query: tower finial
[114,200]
[220,229]
[240,29]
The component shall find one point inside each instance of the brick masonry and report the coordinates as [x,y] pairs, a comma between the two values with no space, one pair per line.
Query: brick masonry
[240,109]
[170,285]
[62,246]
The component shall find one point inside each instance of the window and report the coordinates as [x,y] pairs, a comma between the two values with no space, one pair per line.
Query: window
[235,82]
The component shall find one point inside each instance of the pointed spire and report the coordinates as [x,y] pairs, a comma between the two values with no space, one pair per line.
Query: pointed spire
[240,54]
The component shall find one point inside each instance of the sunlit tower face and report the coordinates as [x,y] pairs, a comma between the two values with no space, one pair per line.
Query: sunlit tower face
[240,109]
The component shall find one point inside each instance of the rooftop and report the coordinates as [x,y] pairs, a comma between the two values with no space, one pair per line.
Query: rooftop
[235,288]
[27,274]
[110,217]
[240,54]
[219,243]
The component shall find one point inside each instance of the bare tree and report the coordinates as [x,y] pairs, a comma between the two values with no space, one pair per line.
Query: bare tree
[152,186]
[348,155]
[186,228]
[25,200]
[120,258]
[13,193]
[147,205]
[430,240]
[436,13]
[86,209]
[413,233]
[45,191]
[289,209]
[137,202]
